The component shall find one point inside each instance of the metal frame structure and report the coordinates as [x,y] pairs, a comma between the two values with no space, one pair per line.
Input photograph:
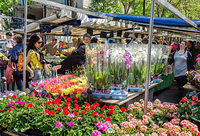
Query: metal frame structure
[168,6]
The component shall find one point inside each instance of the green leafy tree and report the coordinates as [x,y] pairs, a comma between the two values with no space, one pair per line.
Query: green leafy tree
[109,6]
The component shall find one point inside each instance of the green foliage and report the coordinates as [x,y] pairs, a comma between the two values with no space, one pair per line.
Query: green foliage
[109,6]
[190,8]
[6,7]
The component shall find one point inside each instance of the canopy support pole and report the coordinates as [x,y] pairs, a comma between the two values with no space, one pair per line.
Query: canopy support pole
[24,46]
[149,57]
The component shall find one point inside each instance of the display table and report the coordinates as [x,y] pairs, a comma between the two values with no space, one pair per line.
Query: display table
[191,87]
[132,97]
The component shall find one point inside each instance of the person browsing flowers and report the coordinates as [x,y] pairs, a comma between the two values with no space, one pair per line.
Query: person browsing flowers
[34,58]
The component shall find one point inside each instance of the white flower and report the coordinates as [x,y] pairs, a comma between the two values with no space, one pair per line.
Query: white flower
[10,94]
[22,93]
[1,99]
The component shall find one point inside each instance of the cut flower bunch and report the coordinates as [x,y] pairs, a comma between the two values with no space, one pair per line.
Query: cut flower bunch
[70,116]
[63,85]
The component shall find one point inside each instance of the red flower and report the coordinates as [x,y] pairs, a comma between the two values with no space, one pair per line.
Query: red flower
[76,105]
[67,103]
[111,111]
[111,107]
[194,98]
[101,115]
[65,112]
[108,119]
[52,112]
[7,97]
[92,107]
[97,104]
[69,99]
[198,134]
[75,98]
[46,111]
[95,114]
[9,110]
[75,113]
[20,98]
[59,109]
[184,99]
[87,109]
[83,112]
[123,109]
[29,105]
[77,108]
[87,105]
[75,101]
[104,107]
[47,103]
[66,108]
[58,105]
[155,74]
[14,96]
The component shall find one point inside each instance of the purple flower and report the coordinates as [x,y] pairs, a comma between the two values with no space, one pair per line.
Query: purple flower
[1,110]
[96,133]
[128,59]
[58,124]
[71,123]
[79,118]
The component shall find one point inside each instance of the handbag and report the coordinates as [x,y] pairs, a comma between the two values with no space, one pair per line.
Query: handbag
[47,69]
[9,73]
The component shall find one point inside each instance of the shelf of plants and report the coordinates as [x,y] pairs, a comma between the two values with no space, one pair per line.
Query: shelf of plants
[113,70]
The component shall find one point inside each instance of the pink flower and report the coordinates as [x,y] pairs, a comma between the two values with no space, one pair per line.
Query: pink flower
[139,134]
[161,106]
[174,121]
[143,128]
[102,52]
[34,84]
[157,101]
[96,133]
[194,103]
[71,124]
[79,118]
[131,106]
[155,126]
[153,134]
[58,124]
[71,115]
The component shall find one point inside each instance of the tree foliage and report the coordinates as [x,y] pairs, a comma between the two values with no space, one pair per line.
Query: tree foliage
[190,8]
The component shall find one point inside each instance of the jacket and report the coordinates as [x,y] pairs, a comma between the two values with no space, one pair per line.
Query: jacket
[77,58]
[190,63]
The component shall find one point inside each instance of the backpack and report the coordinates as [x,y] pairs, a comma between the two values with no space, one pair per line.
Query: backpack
[9,73]
[20,62]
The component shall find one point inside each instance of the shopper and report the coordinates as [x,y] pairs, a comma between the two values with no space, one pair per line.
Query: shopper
[77,58]
[51,47]
[182,60]
[17,61]
[9,44]
[35,58]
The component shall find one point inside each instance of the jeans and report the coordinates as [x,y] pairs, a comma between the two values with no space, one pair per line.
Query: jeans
[37,75]
[19,81]
[18,78]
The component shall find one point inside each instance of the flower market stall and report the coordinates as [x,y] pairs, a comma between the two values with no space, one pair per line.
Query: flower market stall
[114,70]
[23,113]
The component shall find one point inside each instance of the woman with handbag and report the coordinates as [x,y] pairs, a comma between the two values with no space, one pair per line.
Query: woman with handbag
[17,61]
[35,58]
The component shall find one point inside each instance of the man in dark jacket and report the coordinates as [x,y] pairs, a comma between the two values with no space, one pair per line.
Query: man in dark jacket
[77,58]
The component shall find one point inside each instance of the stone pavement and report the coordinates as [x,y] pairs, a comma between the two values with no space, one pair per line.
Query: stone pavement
[169,95]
